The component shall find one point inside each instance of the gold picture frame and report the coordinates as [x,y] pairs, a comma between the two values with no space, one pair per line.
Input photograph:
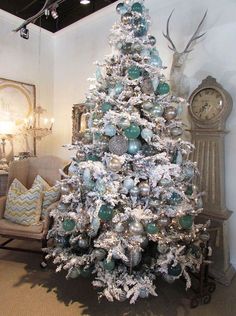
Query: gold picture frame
[79,121]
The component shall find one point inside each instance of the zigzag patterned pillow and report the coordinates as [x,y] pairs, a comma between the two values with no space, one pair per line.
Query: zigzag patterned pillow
[23,206]
[50,194]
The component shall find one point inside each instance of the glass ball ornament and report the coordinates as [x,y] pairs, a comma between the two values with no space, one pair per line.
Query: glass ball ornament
[134,191]
[144,242]
[147,134]
[65,189]
[124,123]
[99,254]
[140,27]
[174,270]
[170,113]
[115,164]
[109,265]
[147,106]
[186,221]
[128,183]
[134,72]
[151,228]
[68,225]
[105,213]
[62,241]
[83,242]
[176,131]
[152,40]
[74,273]
[189,190]
[110,130]
[119,227]
[121,8]
[134,146]
[148,150]
[106,106]
[133,131]
[157,110]
[127,18]
[143,292]
[156,61]
[177,158]
[144,189]
[137,7]
[136,228]
[162,88]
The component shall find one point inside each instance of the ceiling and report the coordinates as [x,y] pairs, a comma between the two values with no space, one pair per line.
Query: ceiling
[69,11]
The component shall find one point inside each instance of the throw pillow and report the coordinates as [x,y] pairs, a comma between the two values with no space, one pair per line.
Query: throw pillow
[50,194]
[23,206]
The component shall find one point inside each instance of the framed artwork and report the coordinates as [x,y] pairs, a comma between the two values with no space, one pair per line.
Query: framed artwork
[17,102]
[79,121]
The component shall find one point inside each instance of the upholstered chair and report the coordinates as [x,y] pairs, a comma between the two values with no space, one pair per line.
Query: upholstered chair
[25,171]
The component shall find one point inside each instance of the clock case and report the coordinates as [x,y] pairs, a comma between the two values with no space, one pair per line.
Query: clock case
[208,138]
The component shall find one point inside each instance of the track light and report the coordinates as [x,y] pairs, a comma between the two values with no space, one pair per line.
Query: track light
[24,32]
[54,14]
[84,1]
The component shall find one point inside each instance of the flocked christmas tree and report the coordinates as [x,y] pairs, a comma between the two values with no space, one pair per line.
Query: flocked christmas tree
[126,215]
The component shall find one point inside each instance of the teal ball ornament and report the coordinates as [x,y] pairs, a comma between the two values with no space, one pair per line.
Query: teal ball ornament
[134,72]
[110,130]
[119,88]
[147,134]
[121,8]
[93,158]
[156,61]
[151,228]
[134,145]
[157,110]
[137,7]
[140,27]
[106,106]
[105,213]
[186,221]
[162,88]
[68,225]
[133,131]
[174,270]
[109,265]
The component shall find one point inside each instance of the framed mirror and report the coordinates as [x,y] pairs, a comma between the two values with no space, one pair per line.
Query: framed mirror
[79,121]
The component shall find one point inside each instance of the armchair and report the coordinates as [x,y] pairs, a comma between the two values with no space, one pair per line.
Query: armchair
[25,171]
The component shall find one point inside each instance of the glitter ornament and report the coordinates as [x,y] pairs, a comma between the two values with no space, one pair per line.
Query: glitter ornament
[115,165]
[175,199]
[109,265]
[170,113]
[118,145]
[68,225]
[133,131]
[99,254]
[186,221]
[134,72]
[157,110]
[137,7]
[144,189]
[174,270]
[151,228]
[147,134]
[106,106]
[105,213]
[134,146]
[136,228]
[163,88]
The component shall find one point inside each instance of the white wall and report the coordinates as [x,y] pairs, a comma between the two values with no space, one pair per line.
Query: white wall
[19,60]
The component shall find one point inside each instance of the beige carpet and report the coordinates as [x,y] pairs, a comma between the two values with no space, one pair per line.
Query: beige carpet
[27,290]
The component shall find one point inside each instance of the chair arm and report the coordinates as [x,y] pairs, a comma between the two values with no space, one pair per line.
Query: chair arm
[47,219]
[2,205]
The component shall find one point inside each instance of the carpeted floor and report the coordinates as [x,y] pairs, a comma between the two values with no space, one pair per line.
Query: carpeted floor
[27,290]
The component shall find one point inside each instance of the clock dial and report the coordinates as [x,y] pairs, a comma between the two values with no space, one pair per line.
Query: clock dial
[207,104]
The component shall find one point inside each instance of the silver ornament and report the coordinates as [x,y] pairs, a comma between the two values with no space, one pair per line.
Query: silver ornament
[199,202]
[100,254]
[144,242]
[205,236]
[147,105]
[134,191]
[119,228]
[136,228]
[128,183]
[65,189]
[146,86]
[162,248]
[143,293]
[118,145]
[176,131]
[144,189]
[127,18]
[157,110]
[170,113]
[83,242]
[115,165]
[164,221]
[122,297]
[134,258]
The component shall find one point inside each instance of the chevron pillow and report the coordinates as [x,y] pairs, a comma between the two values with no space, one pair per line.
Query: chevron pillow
[50,194]
[23,206]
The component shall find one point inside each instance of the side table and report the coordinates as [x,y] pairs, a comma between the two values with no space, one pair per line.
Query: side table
[3,182]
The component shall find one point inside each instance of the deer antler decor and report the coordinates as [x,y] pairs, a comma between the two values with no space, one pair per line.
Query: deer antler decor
[178,81]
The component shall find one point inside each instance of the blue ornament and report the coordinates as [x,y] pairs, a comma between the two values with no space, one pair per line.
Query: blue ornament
[175,199]
[110,130]
[122,8]
[140,27]
[174,270]
[137,7]
[155,61]
[68,225]
[105,213]
[134,72]
[119,88]
[134,146]
[133,131]
[157,110]
[147,134]
[86,175]
[145,52]
[106,106]
[128,183]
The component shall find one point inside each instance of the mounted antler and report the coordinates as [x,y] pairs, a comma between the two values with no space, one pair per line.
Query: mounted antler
[178,81]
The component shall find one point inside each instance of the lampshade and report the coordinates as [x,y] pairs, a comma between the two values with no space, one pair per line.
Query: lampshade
[7,127]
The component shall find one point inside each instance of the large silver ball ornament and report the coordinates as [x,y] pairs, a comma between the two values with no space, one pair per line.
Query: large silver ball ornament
[118,145]
[176,131]
[147,105]
[157,110]
[136,228]
[128,183]
[115,164]
[170,113]
[144,189]
[134,191]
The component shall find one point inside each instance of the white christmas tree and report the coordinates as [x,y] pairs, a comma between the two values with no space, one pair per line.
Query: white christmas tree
[128,205]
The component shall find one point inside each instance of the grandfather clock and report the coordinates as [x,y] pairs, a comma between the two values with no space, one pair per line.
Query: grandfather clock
[210,105]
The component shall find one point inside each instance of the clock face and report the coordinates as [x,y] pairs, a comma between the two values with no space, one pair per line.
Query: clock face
[207,104]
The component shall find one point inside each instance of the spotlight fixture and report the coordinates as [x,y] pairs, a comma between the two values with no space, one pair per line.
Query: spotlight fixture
[84,1]
[24,32]
[54,14]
